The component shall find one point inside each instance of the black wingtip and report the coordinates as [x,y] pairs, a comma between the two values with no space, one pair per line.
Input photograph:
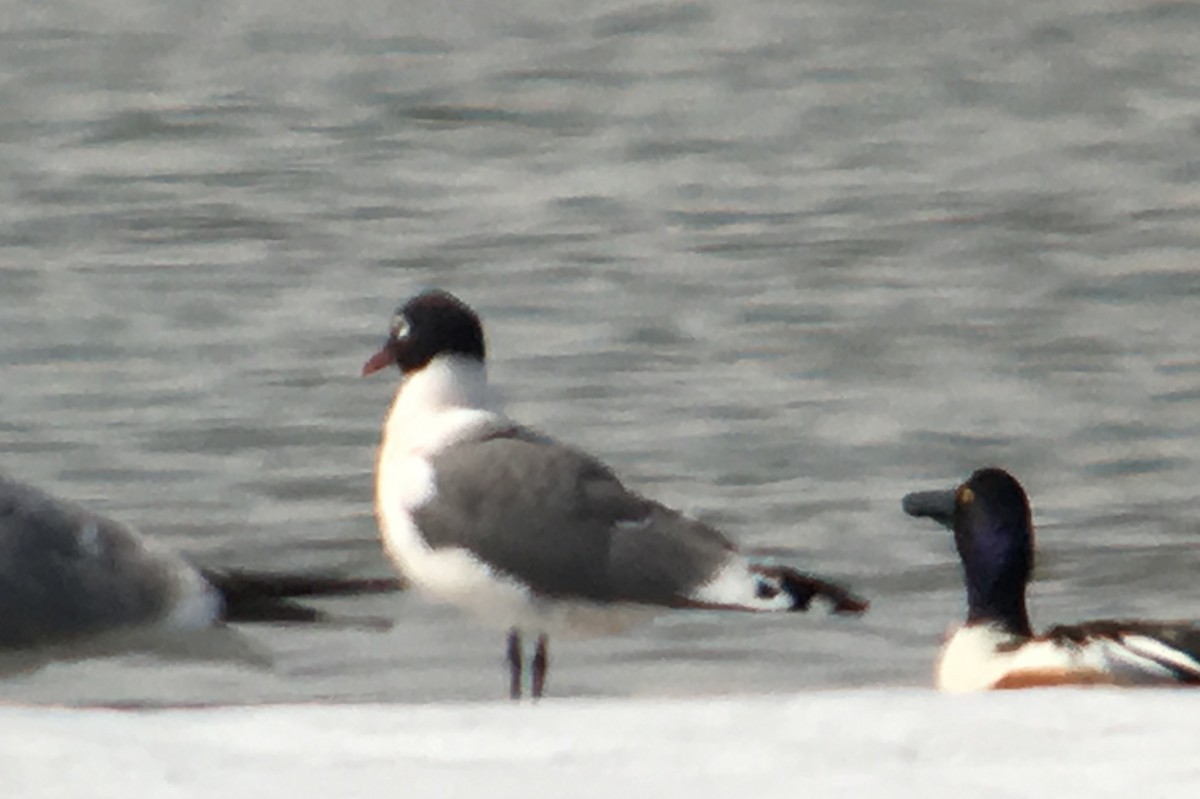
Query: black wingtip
[804,588]
[265,597]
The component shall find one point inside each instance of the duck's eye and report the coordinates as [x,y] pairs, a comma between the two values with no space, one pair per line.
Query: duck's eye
[400,327]
[965,496]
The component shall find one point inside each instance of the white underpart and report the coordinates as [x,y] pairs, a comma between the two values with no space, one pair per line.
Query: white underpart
[195,603]
[978,656]
[192,603]
[446,402]
[198,605]
[735,585]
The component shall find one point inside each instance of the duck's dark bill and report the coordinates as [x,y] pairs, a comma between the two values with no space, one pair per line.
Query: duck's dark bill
[936,505]
[380,360]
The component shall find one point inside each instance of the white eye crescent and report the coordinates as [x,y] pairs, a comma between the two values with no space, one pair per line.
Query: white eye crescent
[400,327]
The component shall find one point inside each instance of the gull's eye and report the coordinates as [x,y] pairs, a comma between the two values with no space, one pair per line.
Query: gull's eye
[400,327]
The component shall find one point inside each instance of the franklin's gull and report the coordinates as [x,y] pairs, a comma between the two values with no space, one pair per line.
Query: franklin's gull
[529,534]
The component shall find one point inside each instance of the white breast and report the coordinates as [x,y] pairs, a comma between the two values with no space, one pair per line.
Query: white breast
[404,482]
[978,656]
[446,403]
[443,404]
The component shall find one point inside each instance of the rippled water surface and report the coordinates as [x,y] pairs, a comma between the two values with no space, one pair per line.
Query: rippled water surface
[778,263]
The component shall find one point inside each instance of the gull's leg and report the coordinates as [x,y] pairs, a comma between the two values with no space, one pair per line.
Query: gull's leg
[541,664]
[514,664]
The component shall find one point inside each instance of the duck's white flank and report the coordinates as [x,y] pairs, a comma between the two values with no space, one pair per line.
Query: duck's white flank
[979,657]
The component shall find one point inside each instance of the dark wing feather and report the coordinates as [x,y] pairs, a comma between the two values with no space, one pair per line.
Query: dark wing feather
[562,523]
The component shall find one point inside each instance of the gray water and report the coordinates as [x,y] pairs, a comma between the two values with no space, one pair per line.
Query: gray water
[777,263]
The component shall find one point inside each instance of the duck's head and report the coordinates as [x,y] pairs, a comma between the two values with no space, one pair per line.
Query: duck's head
[993,532]
[431,324]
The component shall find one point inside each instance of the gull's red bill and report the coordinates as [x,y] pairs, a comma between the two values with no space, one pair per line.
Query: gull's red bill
[380,360]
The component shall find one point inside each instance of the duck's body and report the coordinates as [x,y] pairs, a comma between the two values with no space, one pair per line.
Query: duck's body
[1123,653]
[526,533]
[996,647]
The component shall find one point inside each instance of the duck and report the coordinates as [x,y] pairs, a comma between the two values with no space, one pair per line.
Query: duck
[996,648]
[530,535]
[76,584]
